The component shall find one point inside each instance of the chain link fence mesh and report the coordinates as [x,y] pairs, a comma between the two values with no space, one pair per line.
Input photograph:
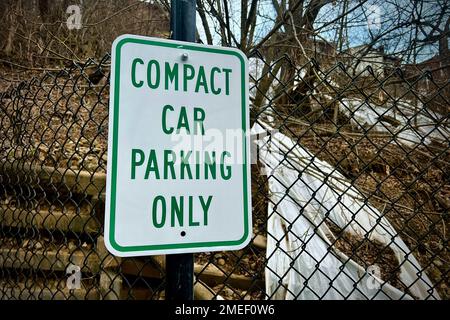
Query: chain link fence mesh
[384,136]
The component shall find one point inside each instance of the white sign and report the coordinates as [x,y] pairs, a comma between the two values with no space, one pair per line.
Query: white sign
[178,175]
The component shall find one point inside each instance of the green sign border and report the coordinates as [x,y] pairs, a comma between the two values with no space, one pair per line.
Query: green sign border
[112,240]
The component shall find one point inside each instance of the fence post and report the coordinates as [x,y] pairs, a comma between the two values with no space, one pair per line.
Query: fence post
[180,267]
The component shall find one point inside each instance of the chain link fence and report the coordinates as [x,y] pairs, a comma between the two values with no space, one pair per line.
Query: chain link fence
[350,189]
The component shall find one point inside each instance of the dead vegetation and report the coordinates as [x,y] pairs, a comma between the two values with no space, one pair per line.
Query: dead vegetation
[411,189]
[61,120]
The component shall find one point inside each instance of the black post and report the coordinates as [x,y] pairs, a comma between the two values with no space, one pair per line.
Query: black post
[182,20]
[180,267]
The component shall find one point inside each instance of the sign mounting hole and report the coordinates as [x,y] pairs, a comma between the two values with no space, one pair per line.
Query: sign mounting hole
[183,233]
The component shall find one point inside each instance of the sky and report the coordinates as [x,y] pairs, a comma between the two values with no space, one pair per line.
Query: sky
[370,19]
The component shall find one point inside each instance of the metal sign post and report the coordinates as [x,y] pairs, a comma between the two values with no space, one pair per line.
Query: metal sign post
[180,267]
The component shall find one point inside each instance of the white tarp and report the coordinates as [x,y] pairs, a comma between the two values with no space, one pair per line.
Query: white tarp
[302,264]
[411,126]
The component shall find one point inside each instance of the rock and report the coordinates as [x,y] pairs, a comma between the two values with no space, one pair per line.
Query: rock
[221,262]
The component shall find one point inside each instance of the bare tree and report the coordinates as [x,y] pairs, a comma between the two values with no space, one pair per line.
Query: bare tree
[299,29]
